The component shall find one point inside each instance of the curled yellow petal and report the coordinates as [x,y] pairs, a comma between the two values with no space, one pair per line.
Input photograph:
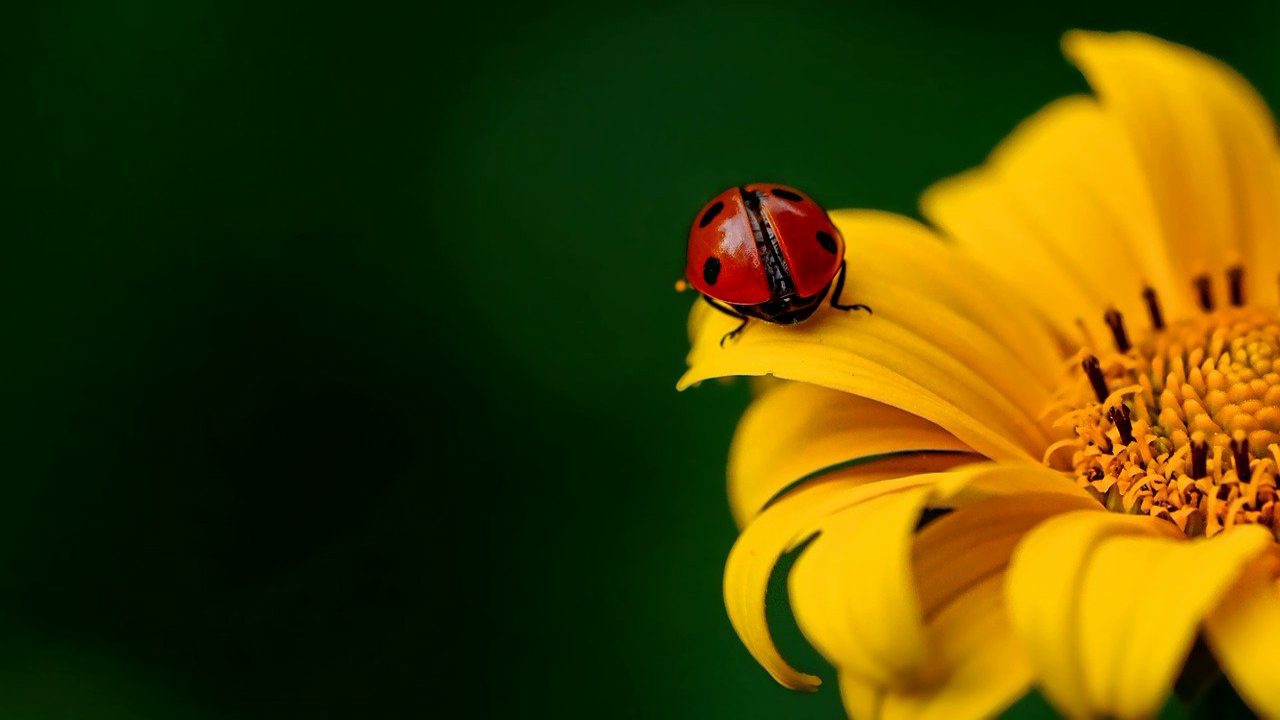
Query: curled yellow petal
[783,527]
[972,664]
[853,594]
[798,430]
[858,608]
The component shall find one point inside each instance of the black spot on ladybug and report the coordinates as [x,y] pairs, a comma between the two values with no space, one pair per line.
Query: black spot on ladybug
[711,270]
[710,214]
[787,195]
[827,242]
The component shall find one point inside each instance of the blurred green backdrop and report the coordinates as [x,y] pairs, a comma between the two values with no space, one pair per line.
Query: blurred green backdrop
[340,341]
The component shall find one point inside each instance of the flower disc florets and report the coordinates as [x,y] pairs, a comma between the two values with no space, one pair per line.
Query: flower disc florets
[1185,424]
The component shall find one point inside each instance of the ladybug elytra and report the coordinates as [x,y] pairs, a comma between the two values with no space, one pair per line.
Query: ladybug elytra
[766,251]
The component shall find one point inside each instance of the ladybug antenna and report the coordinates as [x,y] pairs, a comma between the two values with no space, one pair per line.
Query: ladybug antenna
[681,285]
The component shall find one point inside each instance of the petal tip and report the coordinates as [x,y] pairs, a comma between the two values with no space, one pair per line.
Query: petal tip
[1072,40]
[804,682]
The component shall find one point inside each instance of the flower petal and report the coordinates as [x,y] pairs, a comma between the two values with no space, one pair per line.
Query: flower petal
[907,255]
[783,527]
[868,361]
[975,542]
[1205,141]
[976,210]
[1244,632]
[853,593]
[1065,189]
[1043,587]
[836,509]
[799,430]
[1109,605]
[987,667]
[914,353]
[880,468]
[917,627]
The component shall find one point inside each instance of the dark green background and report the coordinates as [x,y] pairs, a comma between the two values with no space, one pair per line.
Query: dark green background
[339,342]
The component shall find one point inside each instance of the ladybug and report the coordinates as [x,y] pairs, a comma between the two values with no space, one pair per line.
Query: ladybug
[766,251]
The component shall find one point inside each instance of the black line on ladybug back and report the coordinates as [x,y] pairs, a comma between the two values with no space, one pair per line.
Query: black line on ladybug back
[710,214]
[777,274]
[787,195]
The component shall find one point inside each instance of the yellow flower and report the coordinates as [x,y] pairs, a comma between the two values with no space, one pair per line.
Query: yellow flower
[1050,457]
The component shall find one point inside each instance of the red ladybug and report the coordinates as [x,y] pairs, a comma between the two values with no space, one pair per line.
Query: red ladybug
[765,251]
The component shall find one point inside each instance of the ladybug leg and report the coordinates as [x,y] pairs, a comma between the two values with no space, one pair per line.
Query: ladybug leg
[835,295]
[731,313]
[734,332]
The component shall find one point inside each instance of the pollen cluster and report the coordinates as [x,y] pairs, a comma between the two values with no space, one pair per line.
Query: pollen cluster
[1185,424]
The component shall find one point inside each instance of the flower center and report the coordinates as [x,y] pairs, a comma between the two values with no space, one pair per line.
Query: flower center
[1185,424]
